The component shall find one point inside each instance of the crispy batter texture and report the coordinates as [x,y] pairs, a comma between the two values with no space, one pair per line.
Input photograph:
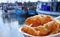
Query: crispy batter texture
[43,30]
[54,26]
[41,25]
[47,29]
[38,20]
[30,30]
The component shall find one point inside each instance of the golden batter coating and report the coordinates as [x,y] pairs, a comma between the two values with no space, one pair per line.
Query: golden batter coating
[38,20]
[42,30]
[41,25]
[49,28]
[30,30]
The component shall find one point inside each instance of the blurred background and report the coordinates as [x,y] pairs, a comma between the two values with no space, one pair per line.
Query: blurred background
[13,14]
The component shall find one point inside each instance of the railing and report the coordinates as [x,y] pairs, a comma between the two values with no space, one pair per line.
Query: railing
[49,6]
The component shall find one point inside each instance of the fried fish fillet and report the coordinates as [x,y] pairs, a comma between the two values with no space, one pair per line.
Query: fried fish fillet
[30,30]
[49,28]
[38,20]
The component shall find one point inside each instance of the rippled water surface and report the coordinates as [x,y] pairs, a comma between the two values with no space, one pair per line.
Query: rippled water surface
[9,25]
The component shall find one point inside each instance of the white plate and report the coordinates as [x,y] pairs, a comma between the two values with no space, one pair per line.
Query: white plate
[28,35]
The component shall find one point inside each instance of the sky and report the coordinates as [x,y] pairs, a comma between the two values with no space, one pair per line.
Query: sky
[23,0]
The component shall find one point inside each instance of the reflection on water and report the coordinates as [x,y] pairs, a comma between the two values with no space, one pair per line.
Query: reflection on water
[11,18]
[9,25]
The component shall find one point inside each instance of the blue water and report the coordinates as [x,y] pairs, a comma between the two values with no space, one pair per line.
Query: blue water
[10,24]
